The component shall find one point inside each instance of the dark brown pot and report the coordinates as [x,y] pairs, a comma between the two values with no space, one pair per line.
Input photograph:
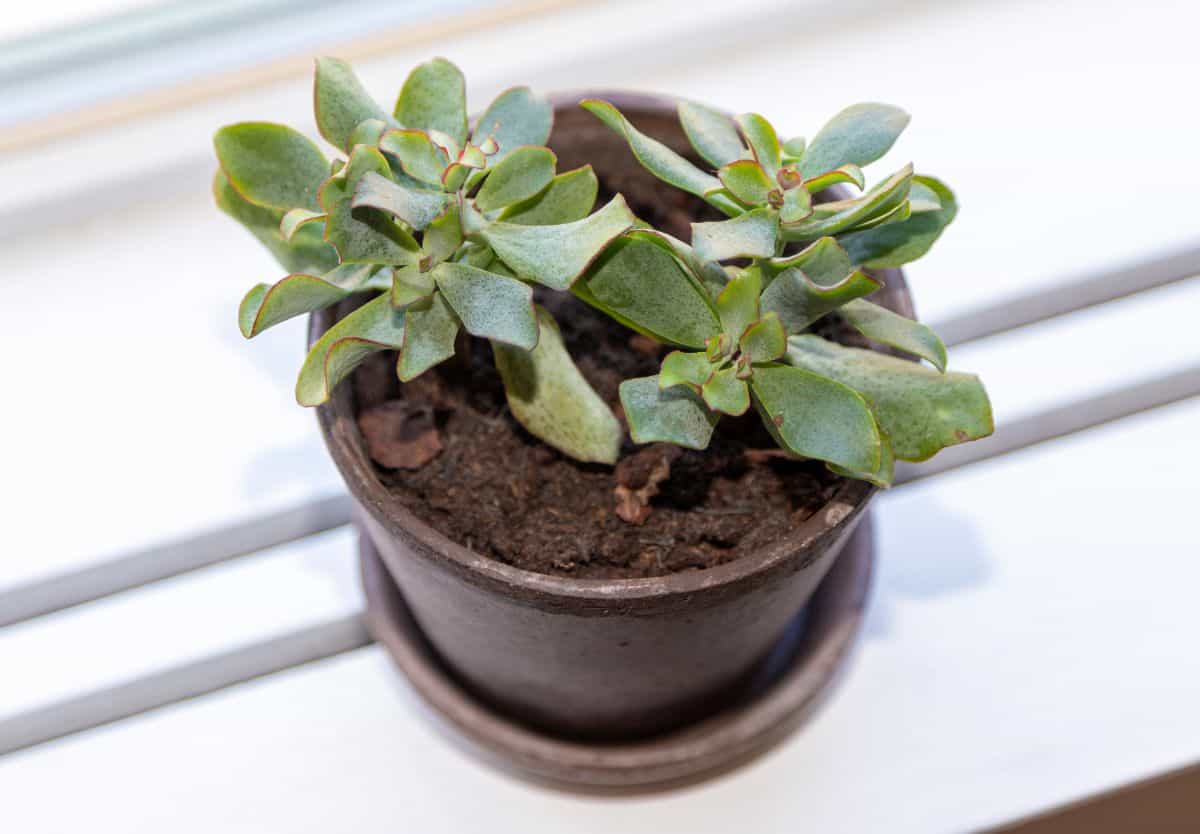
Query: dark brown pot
[589,658]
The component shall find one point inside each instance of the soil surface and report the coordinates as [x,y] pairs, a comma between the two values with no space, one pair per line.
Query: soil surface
[481,479]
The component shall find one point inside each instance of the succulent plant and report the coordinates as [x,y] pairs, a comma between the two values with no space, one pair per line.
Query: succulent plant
[738,302]
[448,227]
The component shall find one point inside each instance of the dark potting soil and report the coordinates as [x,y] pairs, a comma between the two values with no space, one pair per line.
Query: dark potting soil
[477,476]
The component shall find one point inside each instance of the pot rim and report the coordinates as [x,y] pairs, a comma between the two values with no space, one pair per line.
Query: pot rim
[341,436]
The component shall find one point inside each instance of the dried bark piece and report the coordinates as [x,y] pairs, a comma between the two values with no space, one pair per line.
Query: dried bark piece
[638,477]
[400,434]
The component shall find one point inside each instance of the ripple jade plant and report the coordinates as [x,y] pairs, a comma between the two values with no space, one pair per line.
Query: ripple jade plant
[450,227]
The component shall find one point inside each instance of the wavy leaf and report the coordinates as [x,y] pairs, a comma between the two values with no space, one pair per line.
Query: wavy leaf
[738,303]
[685,368]
[419,156]
[430,328]
[752,235]
[443,237]
[341,102]
[762,139]
[798,301]
[305,252]
[557,255]
[815,417]
[844,215]
[410,286]
[725,393]
[712,133]
[522,174]
[434,97]
[516,117]
[882,476]
[797,205]
[845,174]
[570,197]
[548,396]
[271,165]
[643,285]
[858,135]
[292,222]
[364,235]
[901,243]
[765,340]
[489,305]
[708,275]
[747,181]
[266,305]
[921,410]
[674,415]
[654,156]
[415,206]
[373,327]
[882,325]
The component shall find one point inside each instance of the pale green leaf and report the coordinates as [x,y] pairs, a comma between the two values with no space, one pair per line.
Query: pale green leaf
[656,157]
[815,417]
[848,173]
[430,328]
[762,139]
[305,252]
[266,305]
[711,133]
[415,206]
[295,219]
[765,340]
[434,97]
[708,274]
[738,304]
[901,243]
[363,235]
[844,215]
[799,301]
[522,174]
[419,156]
[746,180]
[368,133]
[752,235]
[410,285]
[726,393]
[371,328]
[642,284]
[516,117]
[793,149]
[685,368]
[271,165]
[548,396]
[882,325]
[797,205]
[341,103]
[489,305]
[673,415]
[557,255]
[858,135]
[570,197]
[920,409]
[886,471]
[443,237]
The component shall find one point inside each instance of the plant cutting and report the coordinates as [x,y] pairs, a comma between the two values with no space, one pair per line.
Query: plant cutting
[606,455]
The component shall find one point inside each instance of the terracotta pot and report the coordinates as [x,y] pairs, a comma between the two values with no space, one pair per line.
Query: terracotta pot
[588,658]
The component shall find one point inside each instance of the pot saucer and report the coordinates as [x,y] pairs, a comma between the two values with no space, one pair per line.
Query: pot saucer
[789,686]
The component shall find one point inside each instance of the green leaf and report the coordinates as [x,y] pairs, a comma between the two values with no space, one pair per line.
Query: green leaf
[368,133]
[415,206]
[429,332]
[685,368]
[654,156]
[765,340]
[752,235]
[305,252]
[410,285]
[726,393]
[266,305]
[419,156]
[797,205]
[901,243]
[557,255]
[363,235]
[489,305]
[291,222]
[373,327]
[738,304]
[570,197]
[799,301]
[516,117]
[815,417]
[846,174]
[793,149]
[858,135]
[674,415]
[844,215]
[271,165]
[883,475]
[443,237]
[341,103]
[747,181]
[522,174]
[548,396]
[919,409]
[434,97]
[882,325]
[711,133]
[709,275]
[641,284]
[824,261]
[923,197]
[762,139]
